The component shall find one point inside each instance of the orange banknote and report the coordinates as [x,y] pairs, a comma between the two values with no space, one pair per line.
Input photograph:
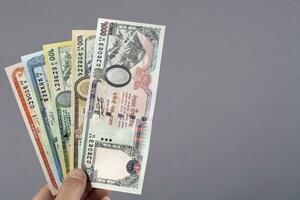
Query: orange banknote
[35,126]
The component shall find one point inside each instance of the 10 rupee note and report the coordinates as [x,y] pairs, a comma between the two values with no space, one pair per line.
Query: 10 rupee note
[35,71]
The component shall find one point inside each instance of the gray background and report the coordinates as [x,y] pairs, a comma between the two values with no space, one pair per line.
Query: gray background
[227,117]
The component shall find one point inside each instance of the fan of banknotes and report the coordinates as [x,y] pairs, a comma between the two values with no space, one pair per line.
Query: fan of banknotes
[88,103]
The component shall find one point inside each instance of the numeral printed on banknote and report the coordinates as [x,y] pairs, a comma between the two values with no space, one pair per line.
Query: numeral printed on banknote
[32,116]
[82,57]
[58,61]
[35,71]
[121,99]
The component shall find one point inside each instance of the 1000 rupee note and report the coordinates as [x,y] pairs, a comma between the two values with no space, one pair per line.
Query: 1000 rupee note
[58,70]
[121,99]
[35,71]
[33,120]
[82,57]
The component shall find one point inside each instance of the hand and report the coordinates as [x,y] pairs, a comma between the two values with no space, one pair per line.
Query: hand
[75,187]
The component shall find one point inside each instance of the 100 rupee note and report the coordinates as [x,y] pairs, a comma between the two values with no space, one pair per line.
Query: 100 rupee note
[82,57]
[33,120]
[58,70]
[121,99]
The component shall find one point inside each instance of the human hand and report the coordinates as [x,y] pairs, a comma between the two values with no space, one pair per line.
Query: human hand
[75,187]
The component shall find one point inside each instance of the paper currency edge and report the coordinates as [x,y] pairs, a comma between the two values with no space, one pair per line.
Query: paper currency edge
[8,70]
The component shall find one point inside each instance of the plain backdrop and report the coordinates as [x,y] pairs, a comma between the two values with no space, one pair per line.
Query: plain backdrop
[227,119]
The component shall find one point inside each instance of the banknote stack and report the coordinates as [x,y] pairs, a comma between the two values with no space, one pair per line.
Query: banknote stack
[88,103]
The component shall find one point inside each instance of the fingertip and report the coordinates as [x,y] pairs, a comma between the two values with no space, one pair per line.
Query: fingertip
[73,186]
[77,174]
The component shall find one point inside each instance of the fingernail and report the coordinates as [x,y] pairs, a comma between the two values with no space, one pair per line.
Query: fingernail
[77,173]
[105,198]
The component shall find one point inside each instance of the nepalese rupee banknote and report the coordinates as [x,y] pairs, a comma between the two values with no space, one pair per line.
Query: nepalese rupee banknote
[58,61]
[35,71]
[82,57]
[121,99]
[31,114]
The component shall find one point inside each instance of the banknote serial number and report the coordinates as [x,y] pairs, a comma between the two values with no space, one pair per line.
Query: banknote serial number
[54,68]
[101,43]
[42,86]
[27,94]
[80,56]
[90,148]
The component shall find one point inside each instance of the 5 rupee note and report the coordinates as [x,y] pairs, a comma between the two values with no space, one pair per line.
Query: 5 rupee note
[32,118]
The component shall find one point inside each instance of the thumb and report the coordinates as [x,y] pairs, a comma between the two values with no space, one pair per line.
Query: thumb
[73,186]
